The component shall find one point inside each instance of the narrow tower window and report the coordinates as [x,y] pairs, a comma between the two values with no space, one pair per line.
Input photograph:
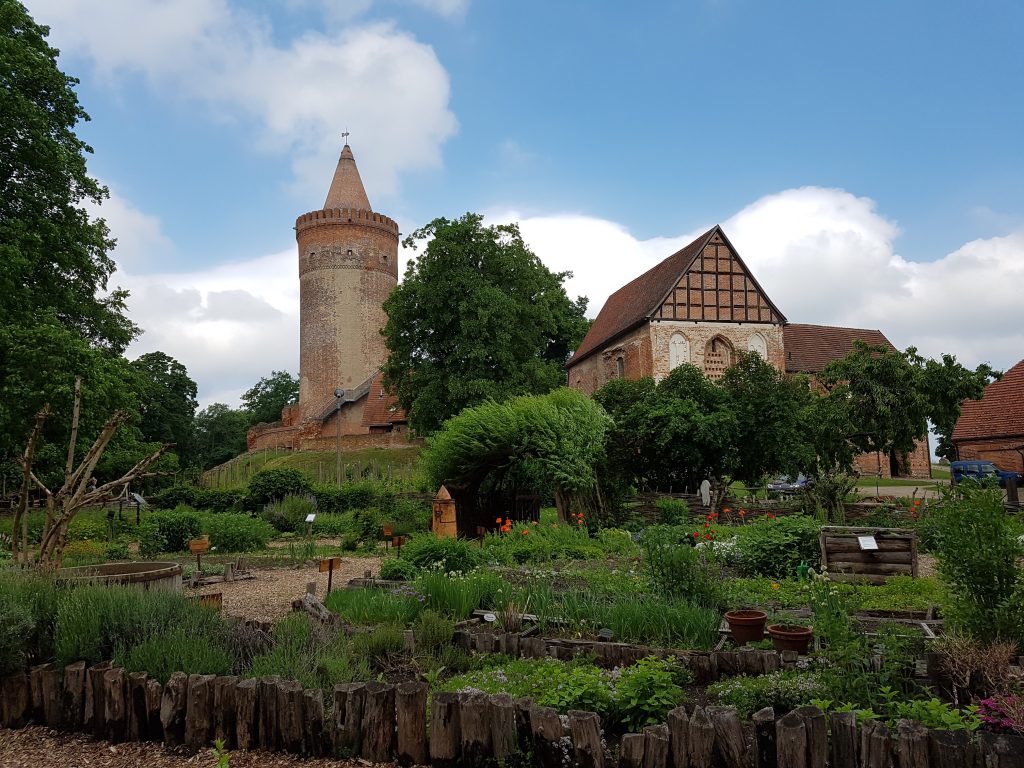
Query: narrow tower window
[620,367]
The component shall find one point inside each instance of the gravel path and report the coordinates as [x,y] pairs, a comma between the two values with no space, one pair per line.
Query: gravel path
[41,747]
[269,596]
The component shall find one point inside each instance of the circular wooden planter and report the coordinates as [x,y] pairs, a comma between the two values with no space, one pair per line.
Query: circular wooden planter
[746,626]
[787,637]
[139,575]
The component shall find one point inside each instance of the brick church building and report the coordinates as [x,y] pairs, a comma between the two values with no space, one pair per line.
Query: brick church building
[348,265]
[703,306]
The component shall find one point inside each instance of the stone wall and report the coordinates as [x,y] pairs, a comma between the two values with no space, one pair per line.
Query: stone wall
[634,348]
[348,265]
[698,334]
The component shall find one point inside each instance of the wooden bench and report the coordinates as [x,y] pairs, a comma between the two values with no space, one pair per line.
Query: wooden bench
[845,559]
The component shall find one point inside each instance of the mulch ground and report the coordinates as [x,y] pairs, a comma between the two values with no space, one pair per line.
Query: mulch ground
[269,596]
[34,747]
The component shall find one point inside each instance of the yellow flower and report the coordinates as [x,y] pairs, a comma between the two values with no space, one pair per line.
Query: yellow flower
[775,585]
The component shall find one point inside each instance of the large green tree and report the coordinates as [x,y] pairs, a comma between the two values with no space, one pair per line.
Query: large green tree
[220,434]
[59,318]
[167,402]
[888,397]
[773,415]
[477,316]
[269,395]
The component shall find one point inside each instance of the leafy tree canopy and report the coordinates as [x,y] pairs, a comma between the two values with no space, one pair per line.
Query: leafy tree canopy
[774,416]
[220,434]
[269,395]
[561,435]
[167,402]
[59,320]
[478,316]
[887,397]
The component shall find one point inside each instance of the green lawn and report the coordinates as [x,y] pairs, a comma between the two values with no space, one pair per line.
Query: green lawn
[320,466]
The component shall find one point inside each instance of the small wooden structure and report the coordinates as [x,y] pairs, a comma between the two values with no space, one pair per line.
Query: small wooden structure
[445,523]
[868,554]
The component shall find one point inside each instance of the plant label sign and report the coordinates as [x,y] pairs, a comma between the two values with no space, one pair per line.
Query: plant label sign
[199,546]
[867,542]
[329,564]
[311,517]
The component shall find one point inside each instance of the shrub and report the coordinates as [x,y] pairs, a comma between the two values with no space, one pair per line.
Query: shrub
[336,499]
[176,528]
[457,596]
[178,649]
[681,571]
[93,622]
[151,540]
[237,533]
[785,690]
[84,552]
[616,541]
[428,551]
[977,556]
[218,499]
[646,691]
[432,632]
[774,547]
[83,528]
[174,495]
[308,654]
[28,642]
[380,646]
[397,569]
[376,606]
[272,484]
[117,550]
[673,511]
[289,513]
[17,624]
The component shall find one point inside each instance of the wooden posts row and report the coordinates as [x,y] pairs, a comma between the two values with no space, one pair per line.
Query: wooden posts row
[379,722]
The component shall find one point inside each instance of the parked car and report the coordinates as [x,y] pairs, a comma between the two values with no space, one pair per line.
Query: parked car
[784,484]
[981,471]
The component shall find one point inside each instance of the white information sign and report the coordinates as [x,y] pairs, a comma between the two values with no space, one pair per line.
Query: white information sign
[311,517]
[867,542]
[490,618]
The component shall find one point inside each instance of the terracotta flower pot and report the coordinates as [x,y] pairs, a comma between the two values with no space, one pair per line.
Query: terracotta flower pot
[746,626]
[787,637]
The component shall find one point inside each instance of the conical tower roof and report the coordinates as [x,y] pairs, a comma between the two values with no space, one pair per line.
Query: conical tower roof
[346,187]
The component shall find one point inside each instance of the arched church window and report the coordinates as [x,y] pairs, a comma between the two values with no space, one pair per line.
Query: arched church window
[620,367]
[718,355]
[758,343]
[678,351]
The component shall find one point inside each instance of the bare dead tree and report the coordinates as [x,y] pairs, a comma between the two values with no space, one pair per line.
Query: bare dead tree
[77,492]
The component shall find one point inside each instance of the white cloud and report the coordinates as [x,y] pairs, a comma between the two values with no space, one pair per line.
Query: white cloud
[299,94]
[823,256]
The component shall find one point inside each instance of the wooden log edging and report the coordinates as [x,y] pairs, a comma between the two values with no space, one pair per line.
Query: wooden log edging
[384,722]
[706,666]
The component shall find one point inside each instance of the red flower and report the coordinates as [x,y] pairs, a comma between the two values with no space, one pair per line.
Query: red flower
[696,534]
[743,513]
[770,515]
[498,521]
[917,502]
[707,525]
[707,535]
[726,510]
[525,532]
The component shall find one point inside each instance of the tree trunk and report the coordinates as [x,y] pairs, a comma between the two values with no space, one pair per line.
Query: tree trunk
[411,714]
[586,739]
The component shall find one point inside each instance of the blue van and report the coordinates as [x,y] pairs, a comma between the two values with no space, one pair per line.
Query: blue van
[981,471]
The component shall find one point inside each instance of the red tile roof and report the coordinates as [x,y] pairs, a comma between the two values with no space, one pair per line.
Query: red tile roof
[999,413]
[809,348]
[639,299]
[381,406]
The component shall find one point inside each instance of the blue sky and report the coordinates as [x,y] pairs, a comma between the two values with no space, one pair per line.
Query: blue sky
[866,158]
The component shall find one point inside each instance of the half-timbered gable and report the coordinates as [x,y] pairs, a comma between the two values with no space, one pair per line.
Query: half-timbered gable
[717,286]
[701,305]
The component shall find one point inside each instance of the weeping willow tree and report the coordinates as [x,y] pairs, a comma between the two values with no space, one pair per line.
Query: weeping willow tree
[556,440]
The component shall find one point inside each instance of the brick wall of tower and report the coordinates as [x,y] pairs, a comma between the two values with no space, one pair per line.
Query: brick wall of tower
[348,265]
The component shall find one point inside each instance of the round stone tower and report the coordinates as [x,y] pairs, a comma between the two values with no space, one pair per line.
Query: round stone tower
[348,264]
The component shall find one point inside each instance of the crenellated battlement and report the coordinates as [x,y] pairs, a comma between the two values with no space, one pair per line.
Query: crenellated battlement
[336,216]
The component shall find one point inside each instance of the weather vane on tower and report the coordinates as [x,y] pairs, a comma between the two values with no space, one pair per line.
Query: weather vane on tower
[345,135]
